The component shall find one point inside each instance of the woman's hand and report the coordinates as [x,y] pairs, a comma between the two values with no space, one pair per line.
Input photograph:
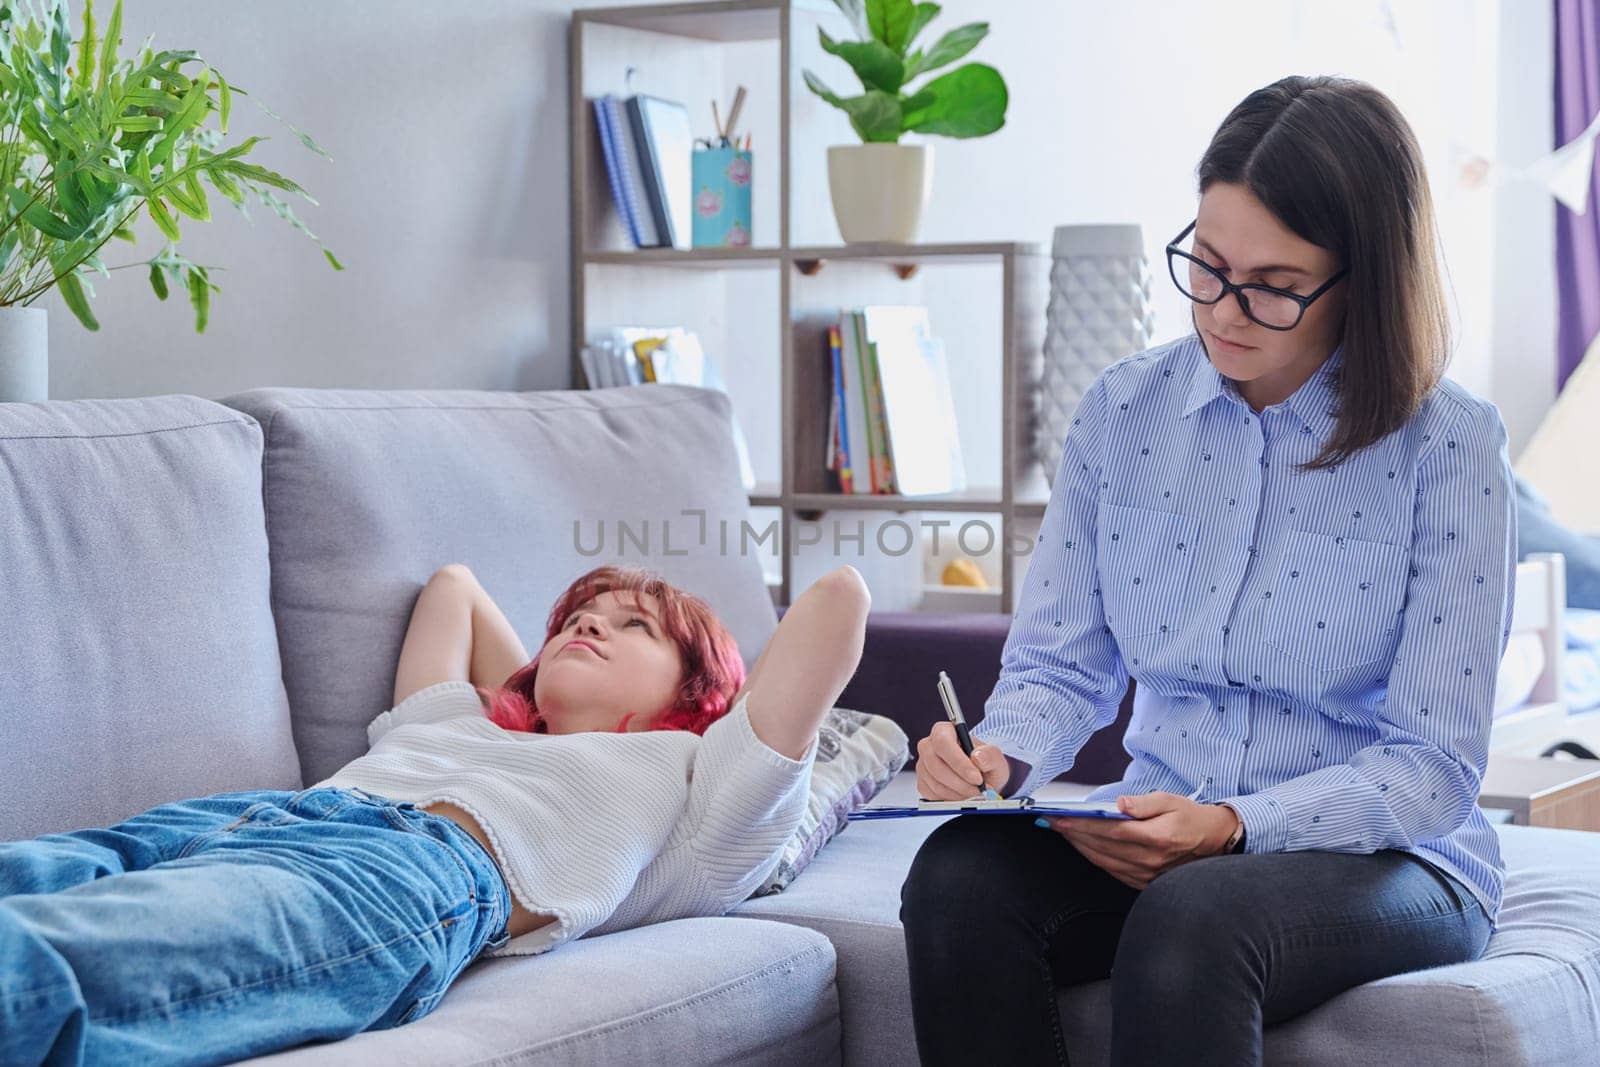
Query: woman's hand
[944,772]
[1167,830]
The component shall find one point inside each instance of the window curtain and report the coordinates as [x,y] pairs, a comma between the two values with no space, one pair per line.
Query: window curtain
[1577,89]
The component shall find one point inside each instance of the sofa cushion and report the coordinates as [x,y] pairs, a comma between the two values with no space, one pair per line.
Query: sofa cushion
[369,492]
[139,662]
[691,991]
[1529,999]
[858,755]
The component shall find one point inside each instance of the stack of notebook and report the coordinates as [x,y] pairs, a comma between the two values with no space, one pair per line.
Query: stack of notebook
[892,423]
[647,147]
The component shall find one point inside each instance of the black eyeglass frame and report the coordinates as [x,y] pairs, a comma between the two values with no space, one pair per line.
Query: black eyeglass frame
[1239,291]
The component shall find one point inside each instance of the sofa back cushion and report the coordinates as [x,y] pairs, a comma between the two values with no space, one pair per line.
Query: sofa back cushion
[369,492]
[138,658]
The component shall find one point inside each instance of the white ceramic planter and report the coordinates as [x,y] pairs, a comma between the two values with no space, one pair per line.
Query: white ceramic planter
[24,355]
[880,190]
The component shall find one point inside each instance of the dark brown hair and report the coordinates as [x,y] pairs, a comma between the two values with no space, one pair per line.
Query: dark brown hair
[1338,164]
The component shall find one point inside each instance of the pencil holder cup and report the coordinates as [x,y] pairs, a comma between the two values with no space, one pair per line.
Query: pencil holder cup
[721,178]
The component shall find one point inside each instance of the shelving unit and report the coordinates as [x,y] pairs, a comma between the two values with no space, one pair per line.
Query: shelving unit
[694,53]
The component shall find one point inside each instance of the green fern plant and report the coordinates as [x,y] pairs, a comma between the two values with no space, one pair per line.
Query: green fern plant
[89,139]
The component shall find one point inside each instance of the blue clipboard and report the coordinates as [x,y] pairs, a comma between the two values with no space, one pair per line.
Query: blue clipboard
[1089,809]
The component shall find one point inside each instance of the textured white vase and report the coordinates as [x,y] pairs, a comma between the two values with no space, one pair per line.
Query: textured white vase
[880,190]
[1099,311]
[24,355]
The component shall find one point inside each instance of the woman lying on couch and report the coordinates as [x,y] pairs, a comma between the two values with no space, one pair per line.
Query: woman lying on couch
[624,776]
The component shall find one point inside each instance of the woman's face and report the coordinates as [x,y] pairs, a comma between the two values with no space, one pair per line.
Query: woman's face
[611,658]
[1236,234]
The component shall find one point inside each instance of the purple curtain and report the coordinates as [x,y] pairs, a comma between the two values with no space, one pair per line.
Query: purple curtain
[1577,78]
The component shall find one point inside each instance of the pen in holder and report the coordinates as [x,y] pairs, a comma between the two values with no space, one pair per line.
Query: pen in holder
[721,177]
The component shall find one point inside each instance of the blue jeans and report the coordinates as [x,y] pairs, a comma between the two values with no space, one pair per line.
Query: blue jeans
[999,914]
[210,930]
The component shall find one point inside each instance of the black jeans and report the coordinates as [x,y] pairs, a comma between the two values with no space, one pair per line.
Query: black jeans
[999,913]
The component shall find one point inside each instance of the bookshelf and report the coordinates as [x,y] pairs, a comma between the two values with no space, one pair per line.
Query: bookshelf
[772,301]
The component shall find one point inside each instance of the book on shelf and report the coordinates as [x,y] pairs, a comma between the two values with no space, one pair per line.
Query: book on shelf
[640,355]
[644,355]
[665,147]
[916,406]
[624,172]
[893,411]
[881,460]
[838,433]
[854,413]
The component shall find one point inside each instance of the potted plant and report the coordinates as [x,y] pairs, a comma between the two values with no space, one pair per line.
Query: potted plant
[880,186]
[88,140]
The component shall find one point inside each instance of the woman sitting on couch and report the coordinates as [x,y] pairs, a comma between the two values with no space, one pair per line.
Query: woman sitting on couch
[622,777]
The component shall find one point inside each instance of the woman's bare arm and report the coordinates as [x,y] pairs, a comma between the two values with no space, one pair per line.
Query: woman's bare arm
[808,662]
[457,632]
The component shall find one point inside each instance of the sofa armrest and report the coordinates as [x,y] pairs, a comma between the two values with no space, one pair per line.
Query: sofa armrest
[900,665]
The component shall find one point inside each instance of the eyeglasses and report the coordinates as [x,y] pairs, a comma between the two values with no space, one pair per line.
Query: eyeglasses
[1276,309]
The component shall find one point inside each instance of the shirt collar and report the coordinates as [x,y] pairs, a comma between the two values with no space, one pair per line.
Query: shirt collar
[1313,404]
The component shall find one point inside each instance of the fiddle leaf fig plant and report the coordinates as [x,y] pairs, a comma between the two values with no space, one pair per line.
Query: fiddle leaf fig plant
[969,101]
[89,139]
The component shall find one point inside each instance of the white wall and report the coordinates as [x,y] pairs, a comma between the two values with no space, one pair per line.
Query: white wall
[447,196]
[446,201]
[1112,106]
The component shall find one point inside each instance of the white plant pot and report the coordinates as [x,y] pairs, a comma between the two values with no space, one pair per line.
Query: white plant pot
[24,355]
[880,190]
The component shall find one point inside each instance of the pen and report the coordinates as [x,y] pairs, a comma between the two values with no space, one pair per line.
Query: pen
[952,709]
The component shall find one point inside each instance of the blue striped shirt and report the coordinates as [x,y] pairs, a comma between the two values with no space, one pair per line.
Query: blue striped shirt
[1316,648]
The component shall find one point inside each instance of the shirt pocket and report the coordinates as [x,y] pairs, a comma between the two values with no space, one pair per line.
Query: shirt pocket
[1336,600]
[1143,558]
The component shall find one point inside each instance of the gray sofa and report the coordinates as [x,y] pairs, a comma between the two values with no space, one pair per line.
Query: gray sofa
[199,597]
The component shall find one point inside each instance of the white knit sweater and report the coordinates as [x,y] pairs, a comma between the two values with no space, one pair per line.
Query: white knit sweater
[603,831]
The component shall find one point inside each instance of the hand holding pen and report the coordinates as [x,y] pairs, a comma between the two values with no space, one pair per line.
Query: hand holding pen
[950,765]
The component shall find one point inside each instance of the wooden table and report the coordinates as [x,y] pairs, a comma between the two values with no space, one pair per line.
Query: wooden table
[1561,793]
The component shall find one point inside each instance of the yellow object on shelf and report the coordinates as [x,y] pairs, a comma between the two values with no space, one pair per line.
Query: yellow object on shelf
[962,572]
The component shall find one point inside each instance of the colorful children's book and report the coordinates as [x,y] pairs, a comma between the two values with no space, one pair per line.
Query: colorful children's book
[857,440]
[878,461]
[841,429]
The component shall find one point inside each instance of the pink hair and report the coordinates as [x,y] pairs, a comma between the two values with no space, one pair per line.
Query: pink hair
[713,669]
